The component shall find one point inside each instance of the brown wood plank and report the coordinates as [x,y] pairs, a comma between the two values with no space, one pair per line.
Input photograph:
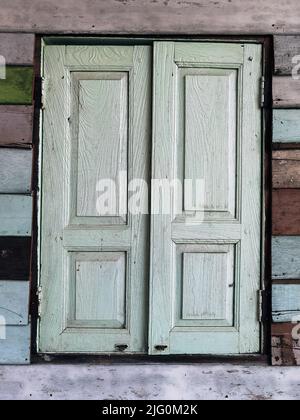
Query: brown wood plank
[17,49]
[286,92]
[286,344]
[14,258]
[152,16]
[285,48]
[286,168]
[286,212]
[16,125]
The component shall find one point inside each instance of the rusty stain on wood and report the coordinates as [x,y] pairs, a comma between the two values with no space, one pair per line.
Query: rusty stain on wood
[286,169]
[286,344]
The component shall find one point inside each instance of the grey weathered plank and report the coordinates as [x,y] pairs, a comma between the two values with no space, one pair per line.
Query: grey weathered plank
[286,303]
[286,257]
[15,215]
[152,16]
[286,169]
[285,48]
[15,171]
[17,49]
[14,302]
[286,92]
[286,125]
[15,125]
[15,349]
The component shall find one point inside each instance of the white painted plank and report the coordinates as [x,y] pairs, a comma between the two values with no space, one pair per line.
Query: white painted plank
[14,302]
[15,171]
[286,125]
[286,257]
[15,347]
[15,215]
[286,302]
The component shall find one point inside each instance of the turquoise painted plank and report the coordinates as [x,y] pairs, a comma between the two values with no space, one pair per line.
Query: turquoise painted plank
[14,302]
[15,171]
[286,125]
[286,257]
[15,345]
[15,215]
[286,302]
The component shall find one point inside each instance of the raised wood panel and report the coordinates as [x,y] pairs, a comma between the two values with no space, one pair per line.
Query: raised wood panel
[148,16]
[102,142]
[286,125]
[286,257]
[286,303]
[286,47]
[15,349]
[286,92]
[15,171]
[15,215]
[17,88]
[16,125]
[286,344]
[17,49]
[286,169]
[14,302]
[286,212]
[14,258]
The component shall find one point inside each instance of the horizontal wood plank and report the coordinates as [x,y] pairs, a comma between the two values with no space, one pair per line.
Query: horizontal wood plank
[286,92]
[286,168]
[14,302]
[15,258]
[286,125]
[15,215]
[15,348]
[286,257]
[286,303]
[17,87]
[15,171]
[286,212]
[17,49]
[286,47]
[16,125]
[286,344]
[152,16]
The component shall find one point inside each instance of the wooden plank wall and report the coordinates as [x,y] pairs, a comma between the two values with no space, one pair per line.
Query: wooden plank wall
[286,203]
[16,133]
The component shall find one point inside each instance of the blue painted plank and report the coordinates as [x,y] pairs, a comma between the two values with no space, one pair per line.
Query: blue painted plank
[15,215]
[15,171]
[14,302]
[286,257]
[286,125]
[286,302]
[15,345]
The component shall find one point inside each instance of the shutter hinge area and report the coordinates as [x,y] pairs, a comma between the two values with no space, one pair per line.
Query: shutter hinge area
[262,91]
[39,295]
[263,298]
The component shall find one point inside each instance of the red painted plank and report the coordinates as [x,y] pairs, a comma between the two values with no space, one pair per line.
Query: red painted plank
[286,212]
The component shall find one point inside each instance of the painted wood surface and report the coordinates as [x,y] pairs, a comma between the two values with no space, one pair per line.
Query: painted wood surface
[286,344]
[286,303]
[14,302]
[14,258]
[286,125]
[15,171]
[17,49]
[15,215]
[15,349]
[16,89]
[286,48]
[148,16]
[286,169]
[286,92]
[16,125]
[286,257]
[286,214]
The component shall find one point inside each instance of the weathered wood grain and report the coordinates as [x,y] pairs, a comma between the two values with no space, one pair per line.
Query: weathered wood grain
[286,257]
[17,88]
[285,48]
[286,125]
[286,344]
[286,169]
[286,92]
[15,215]
[286,212]
[15,258]
[15,171]
[17,49]
[15,349]
[152,16]
[14,302]
[286,303]
[16,125]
